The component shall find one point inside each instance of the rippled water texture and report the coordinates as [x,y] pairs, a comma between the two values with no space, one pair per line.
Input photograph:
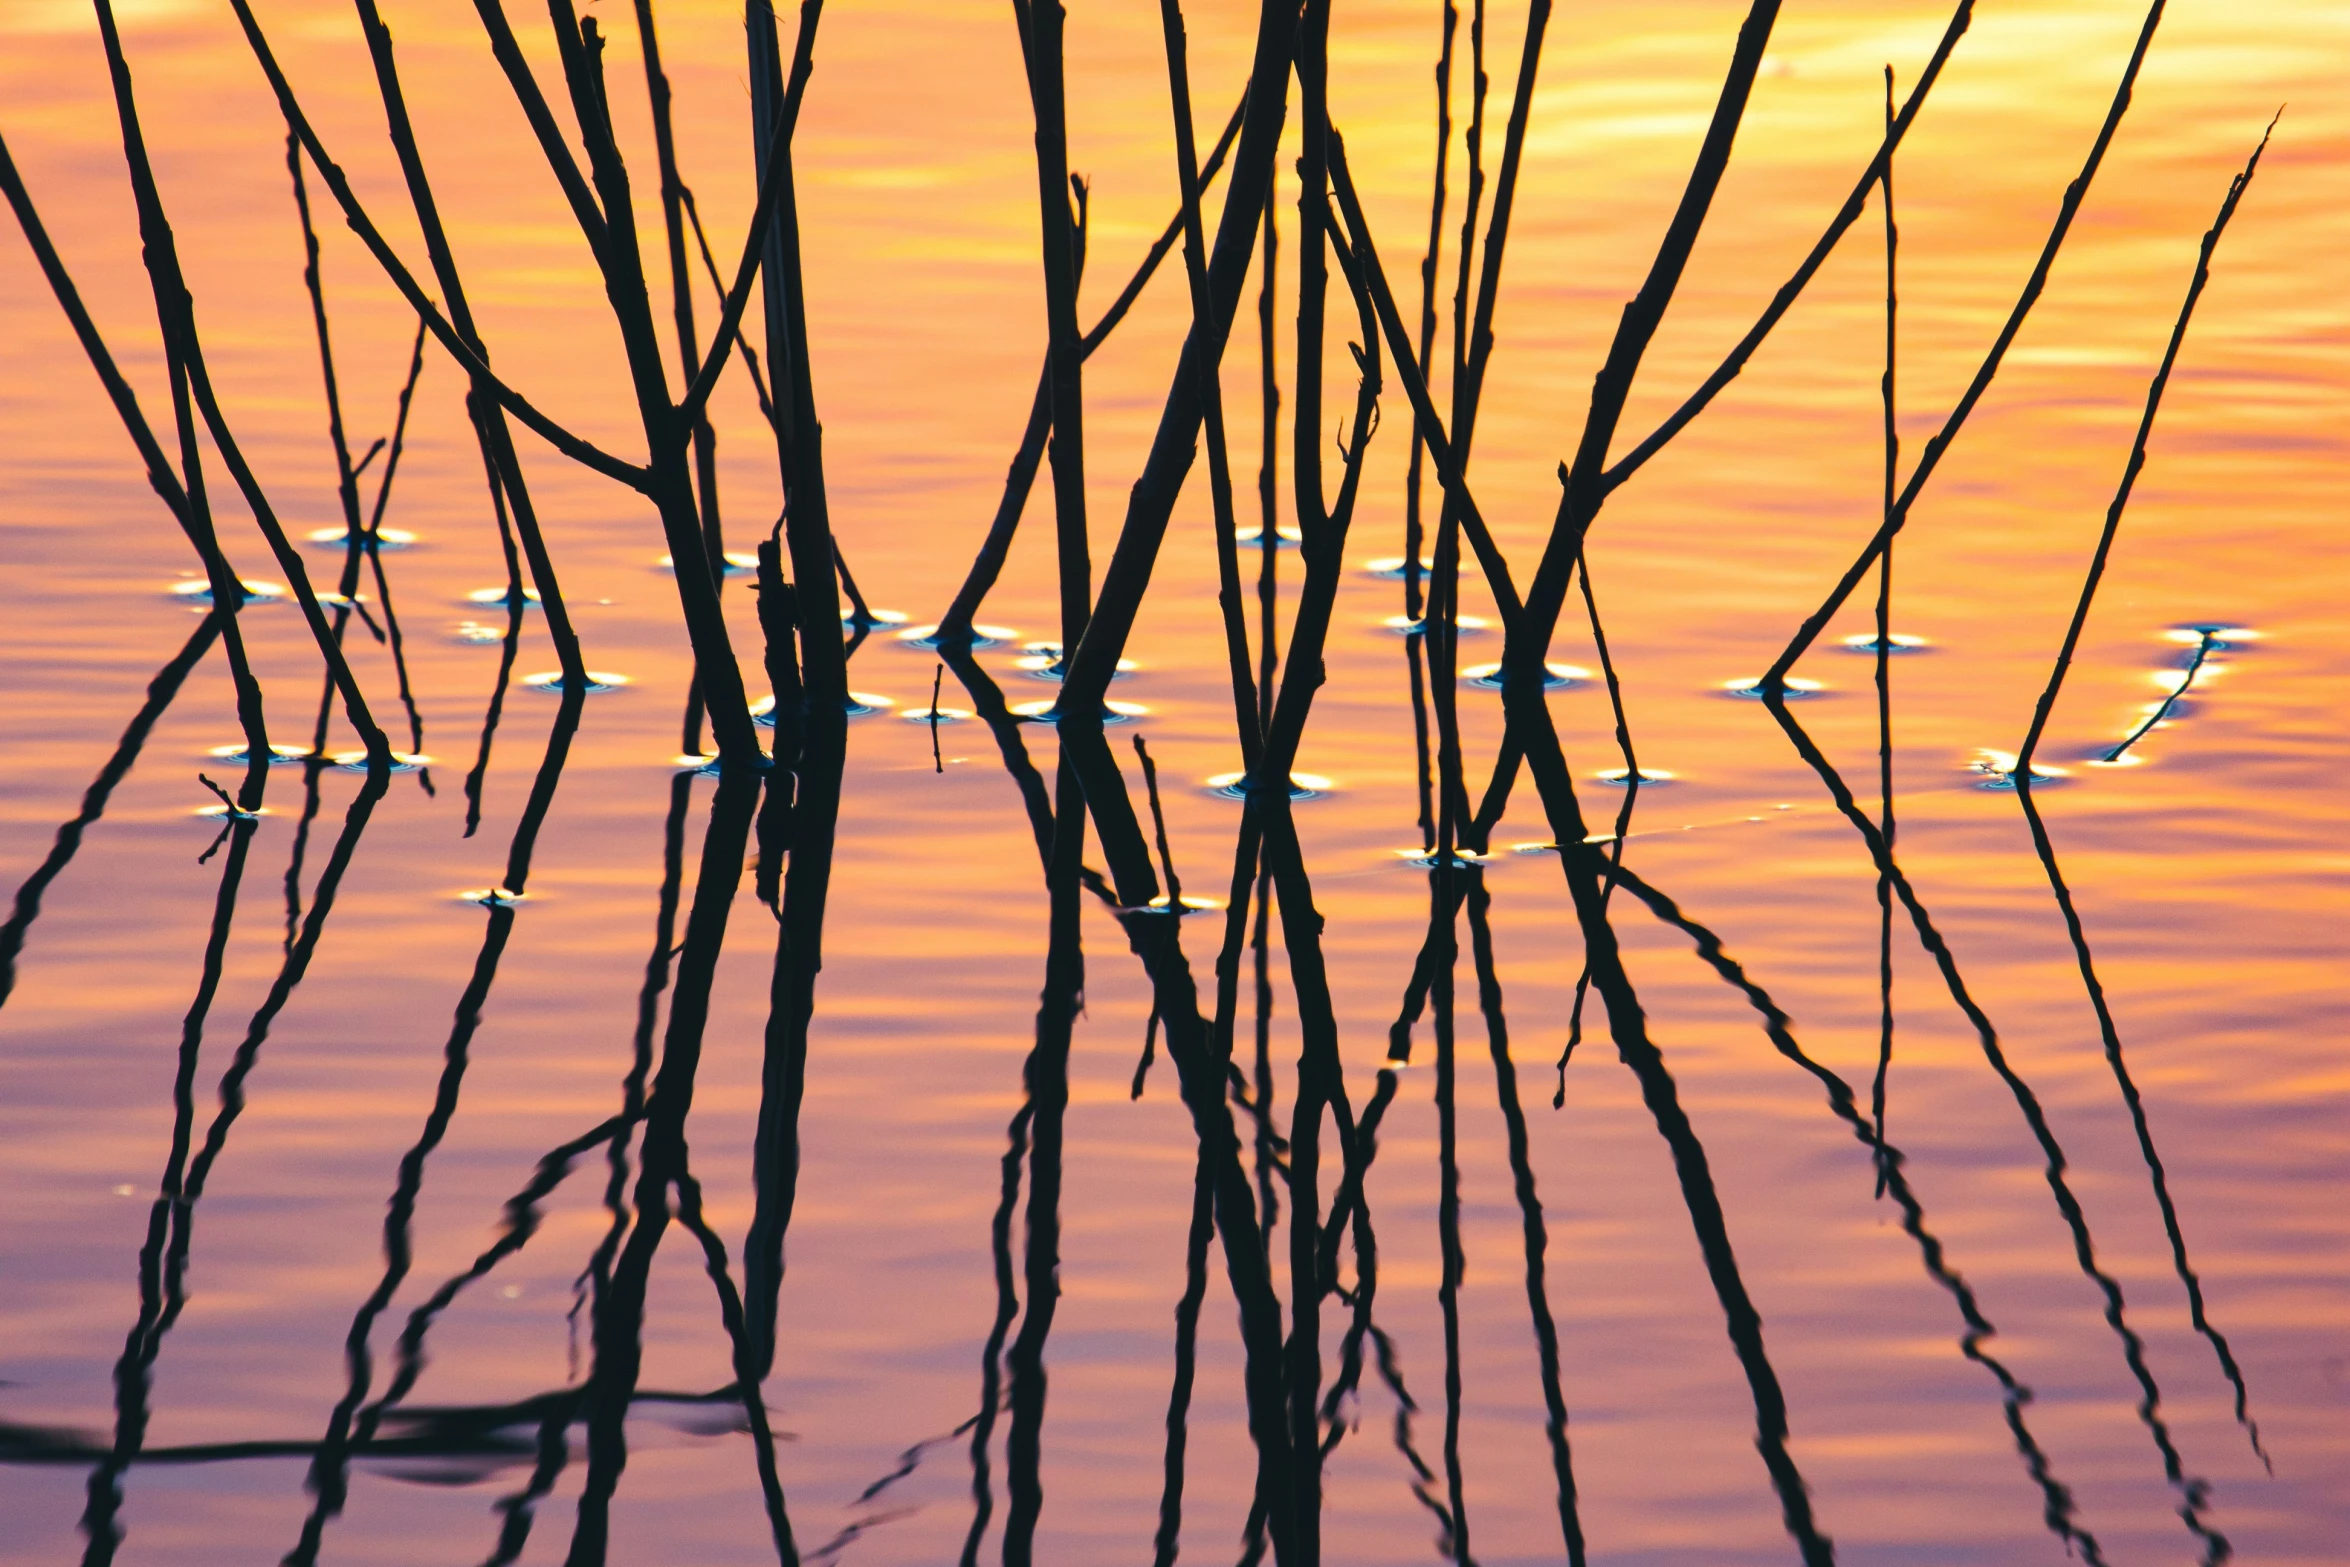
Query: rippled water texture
[1995,1361]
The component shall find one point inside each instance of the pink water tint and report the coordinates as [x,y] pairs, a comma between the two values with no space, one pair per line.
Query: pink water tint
[2210,878]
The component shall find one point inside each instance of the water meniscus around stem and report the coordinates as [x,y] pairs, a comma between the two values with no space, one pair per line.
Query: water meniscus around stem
[257,591]
[1555,677]
[1302,786]
[555,681]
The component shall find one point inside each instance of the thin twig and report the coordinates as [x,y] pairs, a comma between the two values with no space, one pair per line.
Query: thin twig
[1775,677]
[1792,289]
[2129,480]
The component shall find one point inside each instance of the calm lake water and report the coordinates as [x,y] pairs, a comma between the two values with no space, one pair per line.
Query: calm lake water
[2008,1369]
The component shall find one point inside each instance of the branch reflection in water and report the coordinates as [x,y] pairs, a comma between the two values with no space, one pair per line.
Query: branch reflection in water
[1357,1232]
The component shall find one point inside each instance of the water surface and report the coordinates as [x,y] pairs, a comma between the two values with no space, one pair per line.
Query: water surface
[2208,877]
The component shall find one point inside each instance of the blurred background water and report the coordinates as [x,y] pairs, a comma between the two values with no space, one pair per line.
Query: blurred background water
[2209,876]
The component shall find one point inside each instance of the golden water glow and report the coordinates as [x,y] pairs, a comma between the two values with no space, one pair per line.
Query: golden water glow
[2210,876]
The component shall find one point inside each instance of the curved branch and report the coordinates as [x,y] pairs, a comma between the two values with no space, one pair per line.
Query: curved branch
[1785,298]
[586,453]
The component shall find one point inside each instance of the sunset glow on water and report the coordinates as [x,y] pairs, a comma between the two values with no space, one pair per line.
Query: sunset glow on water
[2104,1305]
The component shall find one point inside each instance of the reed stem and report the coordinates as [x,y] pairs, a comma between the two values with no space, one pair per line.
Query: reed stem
[2131,469]
[1775,677]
